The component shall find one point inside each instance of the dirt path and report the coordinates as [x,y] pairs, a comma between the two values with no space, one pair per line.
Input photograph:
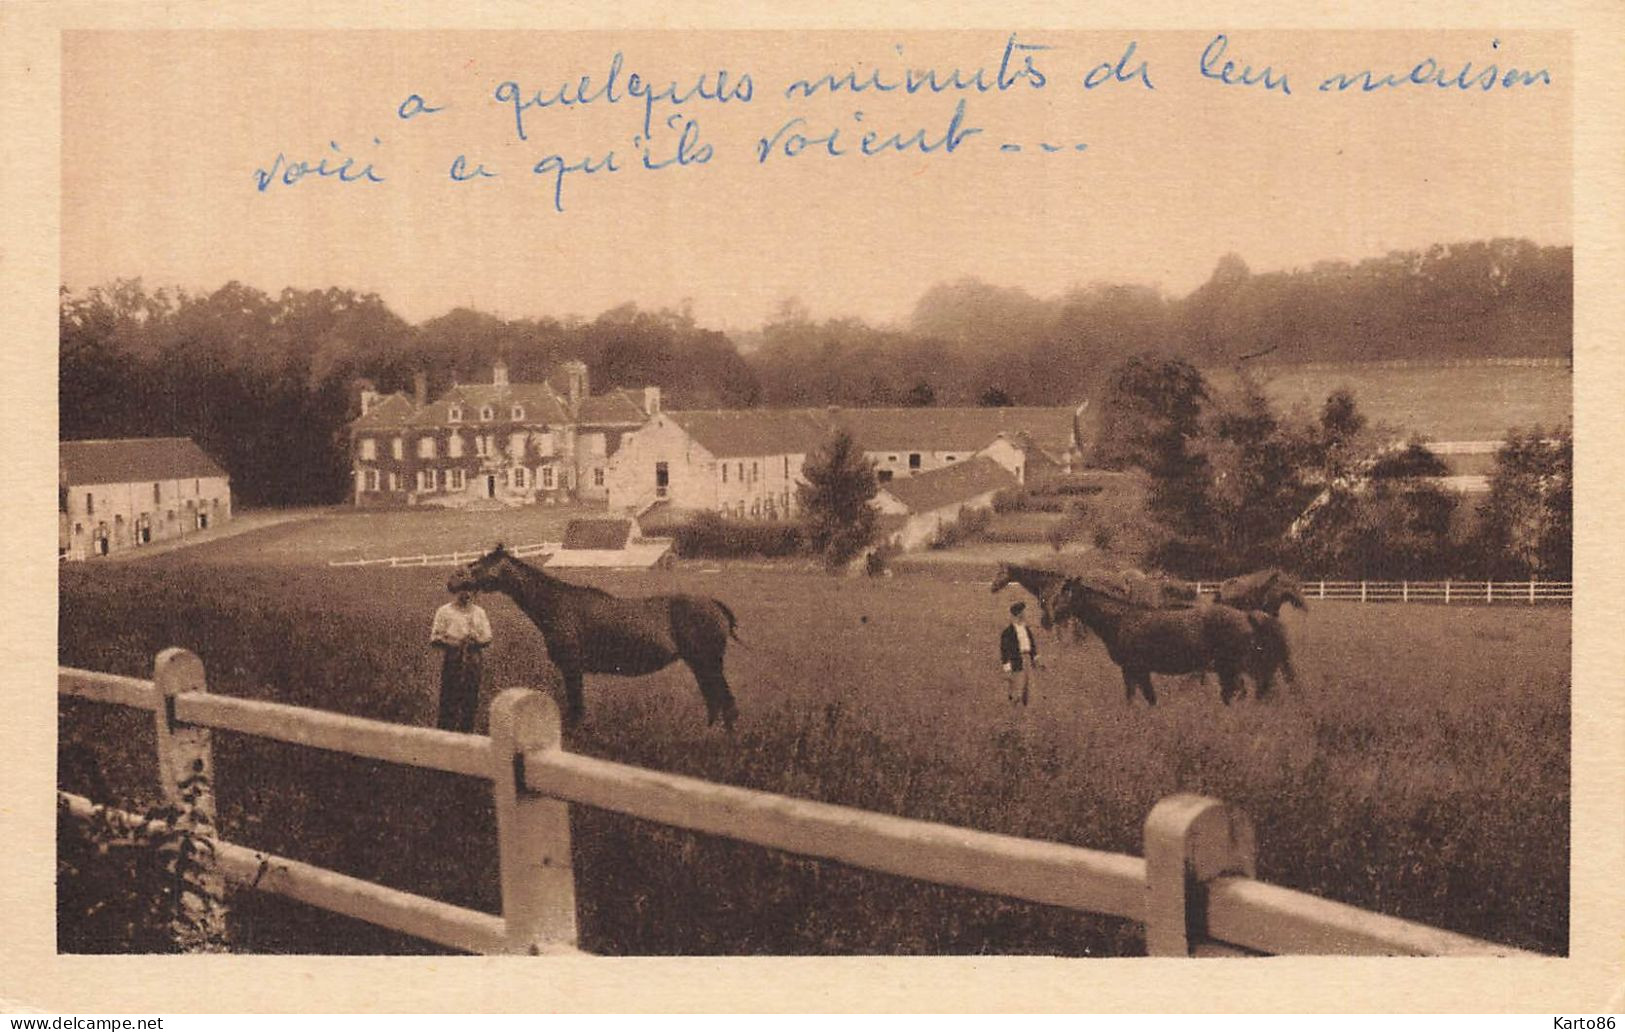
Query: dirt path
[243,523]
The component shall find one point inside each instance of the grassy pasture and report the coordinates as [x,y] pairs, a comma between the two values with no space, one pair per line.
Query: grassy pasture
[1443,403]
[1423,770]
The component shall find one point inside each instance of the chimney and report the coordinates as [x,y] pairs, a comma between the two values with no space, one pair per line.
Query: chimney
[420,389]
[651,401]
[369,398]
[499,374]
[575,379]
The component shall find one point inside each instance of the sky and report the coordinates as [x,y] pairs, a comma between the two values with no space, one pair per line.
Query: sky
[177,148]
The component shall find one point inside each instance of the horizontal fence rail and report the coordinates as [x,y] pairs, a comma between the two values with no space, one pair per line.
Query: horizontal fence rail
[1194,890]
[1446,591]
[446,558]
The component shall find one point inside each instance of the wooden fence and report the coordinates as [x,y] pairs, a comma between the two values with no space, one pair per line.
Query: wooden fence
[1194,889]
[1447,592]
[446,558]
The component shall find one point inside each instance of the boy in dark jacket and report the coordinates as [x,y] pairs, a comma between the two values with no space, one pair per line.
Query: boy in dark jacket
[1018,652]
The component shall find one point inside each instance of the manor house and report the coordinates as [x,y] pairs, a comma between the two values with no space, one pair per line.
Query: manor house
[493,444]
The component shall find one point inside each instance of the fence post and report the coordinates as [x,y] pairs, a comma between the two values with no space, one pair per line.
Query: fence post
[183,751]
[1323,588]
[1362,591]
[1447,592]
[1489,591]
[533,831]
[186,776]
[1189,841]
[1531,591]
[1405,591]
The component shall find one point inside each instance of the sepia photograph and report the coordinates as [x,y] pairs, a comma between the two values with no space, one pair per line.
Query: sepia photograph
[920,492]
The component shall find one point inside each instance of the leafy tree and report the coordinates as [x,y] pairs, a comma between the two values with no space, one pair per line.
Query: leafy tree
[838,484]
[1526,527]
[994,397]
[921,395]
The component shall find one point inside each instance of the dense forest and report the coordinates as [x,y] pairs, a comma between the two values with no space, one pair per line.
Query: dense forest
[268,383]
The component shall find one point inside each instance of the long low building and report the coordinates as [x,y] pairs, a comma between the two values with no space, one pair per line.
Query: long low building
[747,463]
[114,495]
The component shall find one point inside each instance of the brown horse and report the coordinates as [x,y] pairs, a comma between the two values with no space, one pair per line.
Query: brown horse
[1262,589]
[1143,641]
[588,630]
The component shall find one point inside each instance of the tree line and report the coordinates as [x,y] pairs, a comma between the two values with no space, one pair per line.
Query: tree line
[267,384]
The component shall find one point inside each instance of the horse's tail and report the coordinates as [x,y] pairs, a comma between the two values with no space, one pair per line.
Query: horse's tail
[733,622]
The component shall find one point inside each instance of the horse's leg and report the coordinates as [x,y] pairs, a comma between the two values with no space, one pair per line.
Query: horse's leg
[1149,692]
[574,708]
[719,700]
[1229,683]
[1128,686]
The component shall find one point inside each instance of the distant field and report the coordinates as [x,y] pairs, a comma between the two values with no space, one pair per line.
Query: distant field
[371,534]
[1444,403]
[1422,771]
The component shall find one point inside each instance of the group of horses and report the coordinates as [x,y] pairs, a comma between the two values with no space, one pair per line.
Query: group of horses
[1159,626]
[1148,625]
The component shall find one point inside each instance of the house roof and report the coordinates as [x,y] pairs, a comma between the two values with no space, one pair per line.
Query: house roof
[618,406]
[958,429]
[599,534]
[540,403]
[387,413]
[727,433]
[960,482]
[133,459]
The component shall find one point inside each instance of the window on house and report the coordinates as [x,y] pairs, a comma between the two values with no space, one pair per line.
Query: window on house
[517,412]
[787,467]
[548,478]
[480,445]
[487,414]
[397,448]
[454,446]
[724,472]
[426,448]
[90,504]
[913,460]
[455,414]
[516,445]
[949,458]
[519,476]
[598,476]
[741,472]
[369,449]
[883,475]
[891,458]
[197,487]
[755,472]
[157,495]
[425,480]
[372,485]
[394,481]
[457,481]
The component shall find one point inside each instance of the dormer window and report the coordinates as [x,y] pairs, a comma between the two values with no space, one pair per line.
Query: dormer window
[456,414]
[487,414]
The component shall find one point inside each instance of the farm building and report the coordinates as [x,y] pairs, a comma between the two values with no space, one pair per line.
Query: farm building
[115,495]
[495,444]
[915,509]
[615,543]
[746,463]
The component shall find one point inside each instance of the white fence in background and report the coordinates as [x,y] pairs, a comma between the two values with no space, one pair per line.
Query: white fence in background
[1446,592]
[446,558]
[1194,890]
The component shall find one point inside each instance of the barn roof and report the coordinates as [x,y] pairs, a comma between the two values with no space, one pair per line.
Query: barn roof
[958,429]
[960,482]
[132,460]
[729,433]
[599,534]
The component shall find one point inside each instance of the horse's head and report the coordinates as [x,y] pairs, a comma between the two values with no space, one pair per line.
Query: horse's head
[491,571]
[1003,578]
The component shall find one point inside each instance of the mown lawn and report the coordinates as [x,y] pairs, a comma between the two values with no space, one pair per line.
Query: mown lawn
[1422,770]
[363,534]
